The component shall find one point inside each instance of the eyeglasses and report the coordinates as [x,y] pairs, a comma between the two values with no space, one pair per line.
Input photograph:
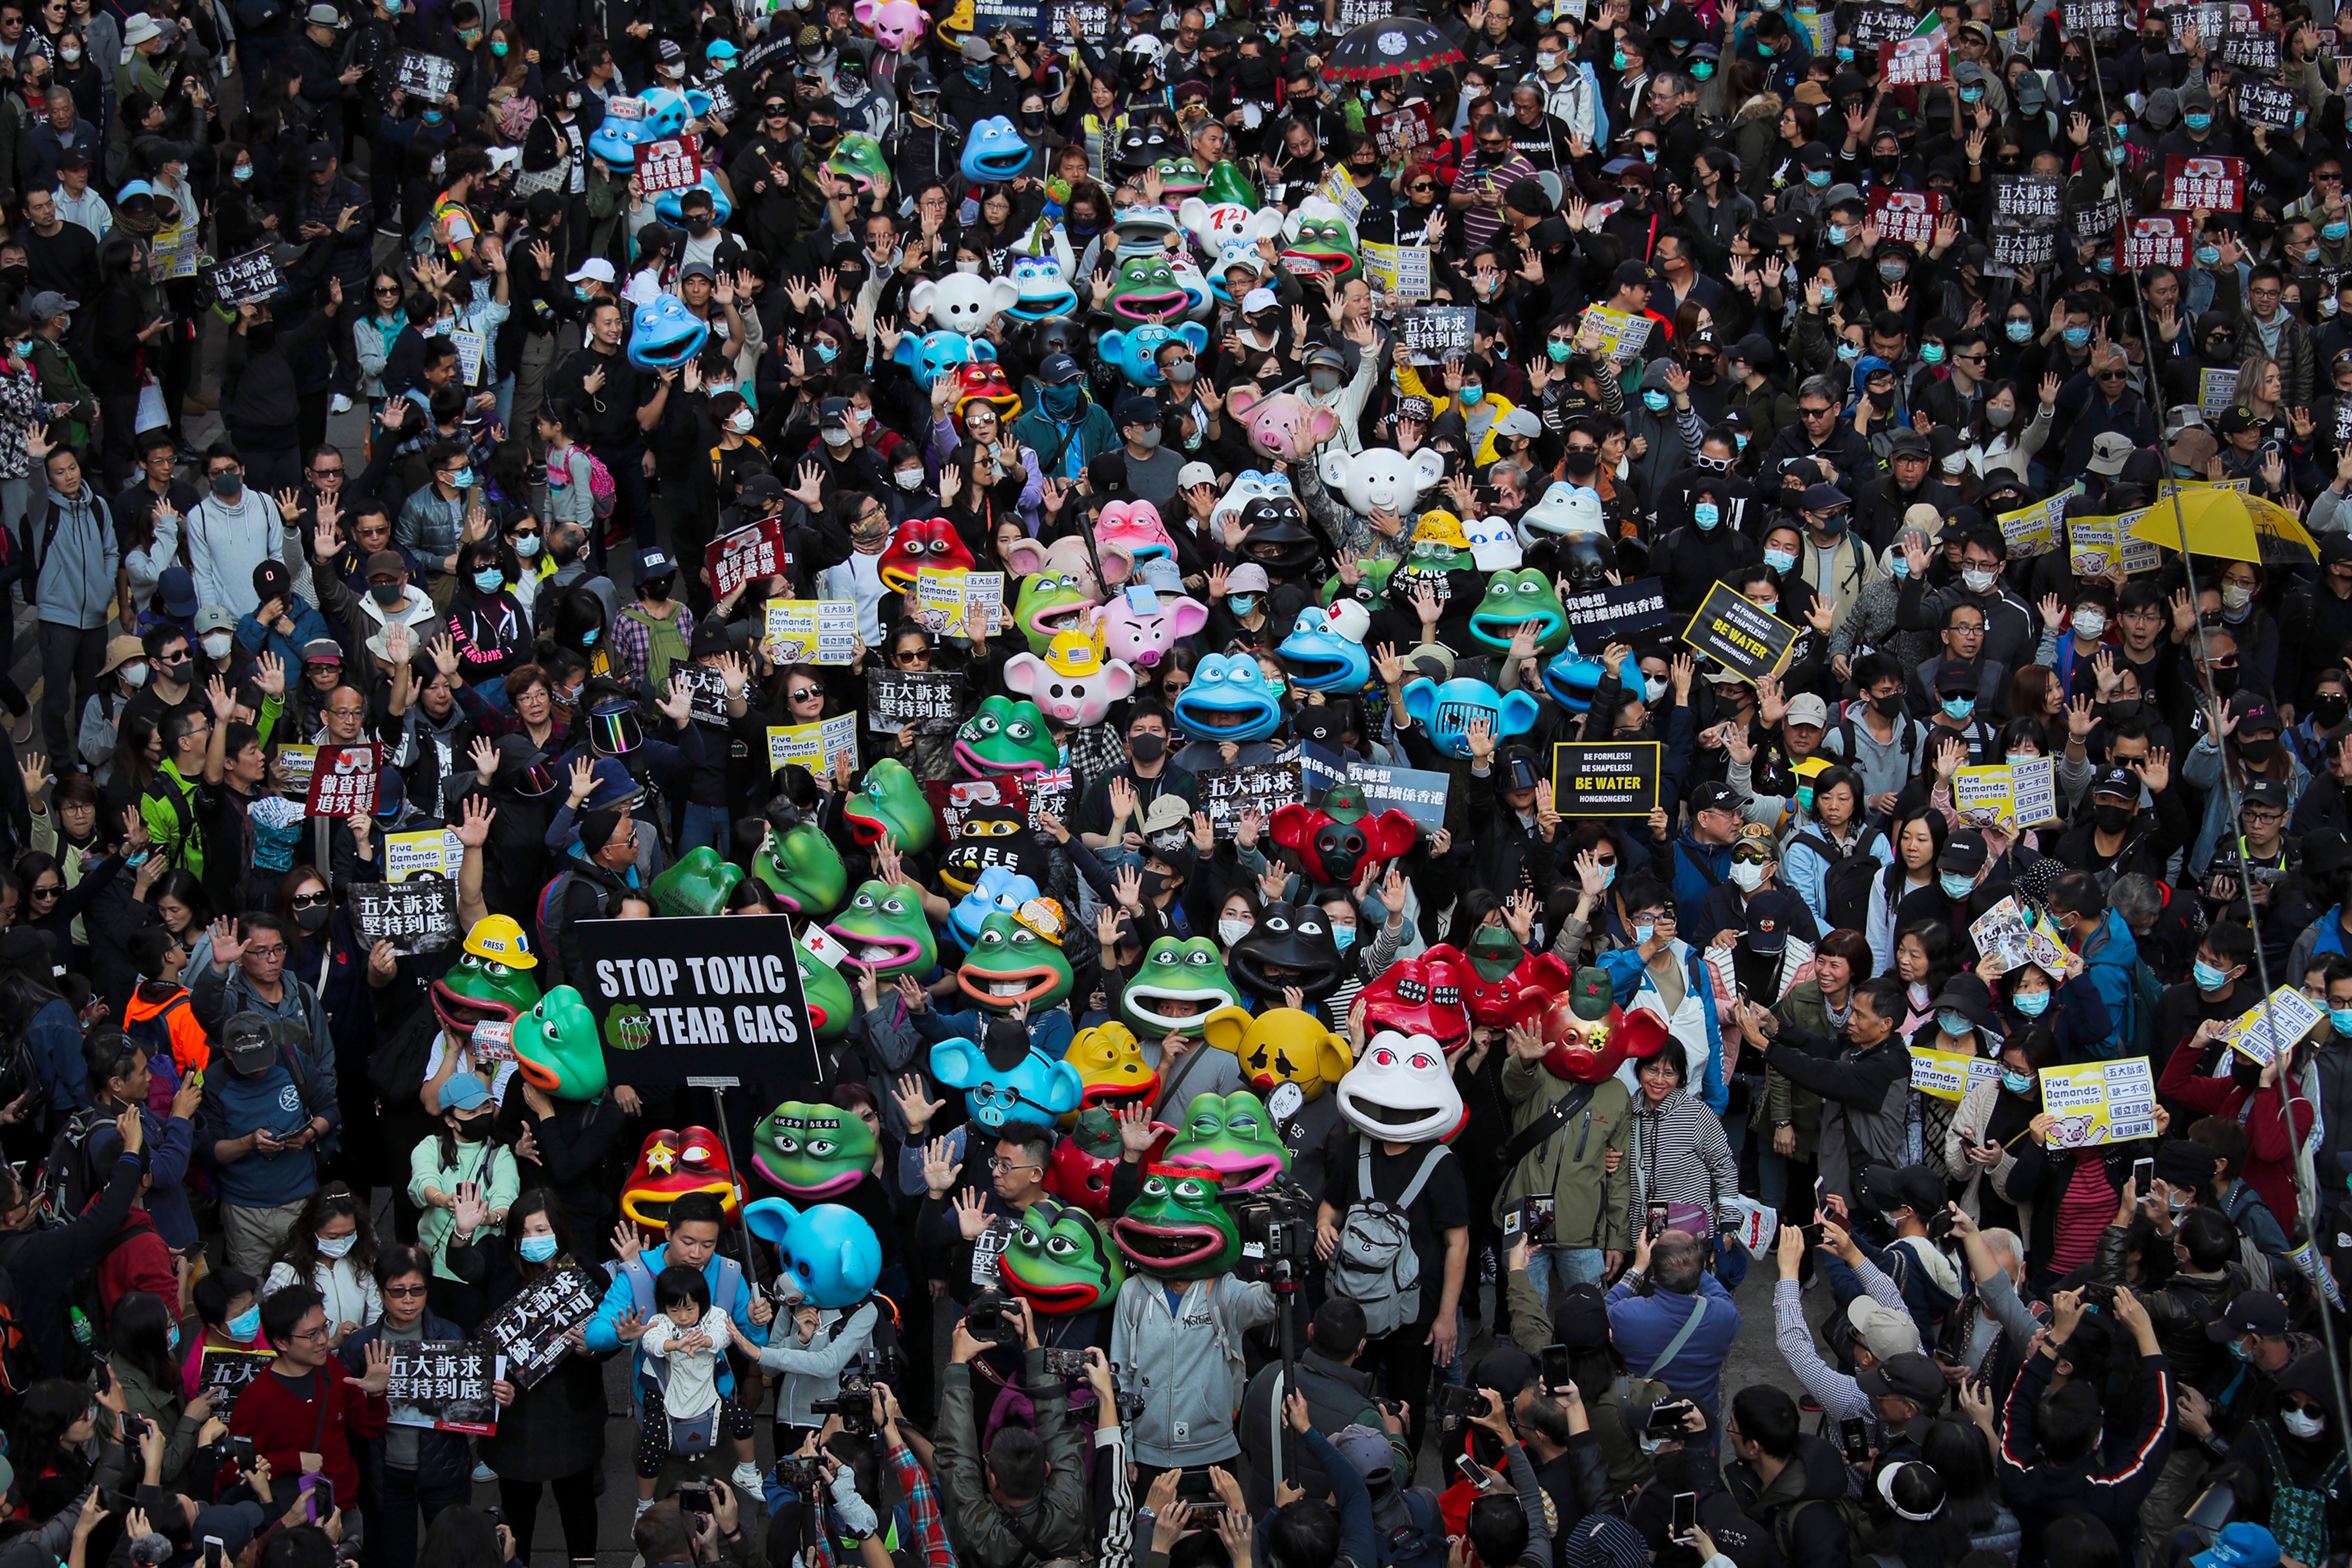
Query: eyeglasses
[312,900]
[345,712]
[276,950]
[1969,628]
[807,694]
[404,1291]
[2115,375]
[391,293]
[1001,1166]
[317,1331]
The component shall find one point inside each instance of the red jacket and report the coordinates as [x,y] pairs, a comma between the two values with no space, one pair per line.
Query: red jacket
[284,1425]
[137,1260]
[2269,1150]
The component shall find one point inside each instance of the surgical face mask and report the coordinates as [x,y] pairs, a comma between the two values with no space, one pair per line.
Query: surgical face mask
[1959,707]
[133,675]
[2341,1017]
[2208,978]
[826,353]
[1707,514]
[245,1325]
[171,1337]
[1956,886]
[1558,351]
[215,645]
[241,174]
[1829,297]
[582,291]
[2209,256]
[1344,937]
[1978,580]
[536,1248]
[1804,798]
[836,437]
[1900,566]
[2200,121]
[489,580]
[1849,353]
[2076,336]
[1702,69]
[1954,1024]
[1653,686]
[1747,874]
[462,479]
[1655,402]
[740,421]
[1894,271]
[337,1246]
[1242,604]
[1931,354]
[2020,331]
[1547,59]
[1817,178]
[2301,1422]
[1473,391]
[2090,625]
[907,479]
[2032,1003]
[1643,931]
[1232,932]
[225,485]
[2334,232]
[2234,598]
[2017,1082]
[1779,560]
[1617,60]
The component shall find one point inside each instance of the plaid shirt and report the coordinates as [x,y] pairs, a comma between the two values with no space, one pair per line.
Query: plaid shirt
[633,643]
[921,1494]
[1096,751]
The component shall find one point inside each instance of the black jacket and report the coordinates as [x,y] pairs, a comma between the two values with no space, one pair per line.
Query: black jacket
[42,1264]
[443,1459]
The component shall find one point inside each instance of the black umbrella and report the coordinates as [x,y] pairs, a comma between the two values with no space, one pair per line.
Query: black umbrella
[1394,46]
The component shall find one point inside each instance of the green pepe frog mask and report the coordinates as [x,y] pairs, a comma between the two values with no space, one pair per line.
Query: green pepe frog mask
[1515,598]
[1178,1225]
[1005,737]
[556,1048]
[884,926]
[1047,606]
[827,992]
[891,800]
[812,1153]
[1232,1135]
[697,884]
[1176,988]
[1060,1261]
[802,869]
[1010,963]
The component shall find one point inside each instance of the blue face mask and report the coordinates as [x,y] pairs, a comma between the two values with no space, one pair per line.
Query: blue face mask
[1473,391]
[489,580]
[536,1248]
[1900,566]
[1643,931]
[1558,351]
[171,1338]
[582,292]
[1931,354]
[1242,604]
[1779,560]
[1766,50]
[826,353]
[2107,264]
[1844,55]
[1707,514]
[1655,402]
[2077,336]
[2032,1003]
[2197,121]
[2341,1017]
[1835,234]
[2016,1082]
[1849,353]
[1817,178]
[2207,977]
[432,117]
[1971,95]
[588,637]
[246,1325]
[1960,708]
[1804,798]
[2021,331]
[1741,438]
[1829,297]
[462,478]
[2332,232]
[1617,60]
[1953,1024]
[1343,937]
[1956,886]
[2209,256]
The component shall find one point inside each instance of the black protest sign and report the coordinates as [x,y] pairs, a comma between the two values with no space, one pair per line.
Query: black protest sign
[427,76]
[1877,24]
[1050,793]
[1617,614]
[1744,638]
[1072,21]
[2094,224]
[2014,246]
[223,1372]
[1438,332]
[776,47]
[2250,49]
[2028,201]
[2267,103]
[989,15]
[707,685]
[444,1385]
[419,915]
[1605,778]
[699,996]
[246,279]
[2093,16]
[929,700]
[531,1329]
[1418,792]
[1228,794]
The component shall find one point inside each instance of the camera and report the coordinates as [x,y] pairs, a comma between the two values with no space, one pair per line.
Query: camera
[855,1403]
[800,1475]
[1130,1403]
[993,1319]
[1277,1231]
[693,1497]
[1070,1366]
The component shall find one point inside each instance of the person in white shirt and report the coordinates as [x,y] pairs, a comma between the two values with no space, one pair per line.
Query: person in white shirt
[860,577]
[682,1344]
[77,203]
[332,1249]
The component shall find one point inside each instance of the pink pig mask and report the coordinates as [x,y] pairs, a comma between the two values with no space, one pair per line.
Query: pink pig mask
[1142,640]
[1137,527]
[895,23]
[1074,700]
[1282,426]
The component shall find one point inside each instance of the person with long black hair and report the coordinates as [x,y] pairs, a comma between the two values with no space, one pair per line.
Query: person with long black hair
[142,1337]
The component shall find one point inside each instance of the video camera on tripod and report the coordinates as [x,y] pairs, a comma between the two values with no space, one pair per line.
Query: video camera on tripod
[1278,1232]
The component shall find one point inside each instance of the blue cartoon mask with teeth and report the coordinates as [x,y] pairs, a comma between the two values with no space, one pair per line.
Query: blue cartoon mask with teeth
[1325,650]
[999,891]
[1447,711]
[1229,700]
[994,152]
[666,335]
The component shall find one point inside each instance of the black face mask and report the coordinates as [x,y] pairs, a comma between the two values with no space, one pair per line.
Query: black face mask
[2112,818]
[2128,708]
[2261,750]
[313,917]
[2225,680]
[1147,748]
[698,223]
[655,588]
[2327,711]
[1889,706]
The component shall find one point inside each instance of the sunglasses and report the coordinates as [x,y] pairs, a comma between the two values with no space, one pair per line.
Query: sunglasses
[807,694]
[312,900]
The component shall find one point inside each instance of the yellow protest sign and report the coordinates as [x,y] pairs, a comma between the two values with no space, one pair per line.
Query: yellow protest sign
[2099,1102]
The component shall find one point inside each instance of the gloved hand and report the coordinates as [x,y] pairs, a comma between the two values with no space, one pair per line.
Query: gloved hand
[856,1514]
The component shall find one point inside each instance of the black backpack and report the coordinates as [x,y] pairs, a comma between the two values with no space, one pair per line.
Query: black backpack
[1845,890]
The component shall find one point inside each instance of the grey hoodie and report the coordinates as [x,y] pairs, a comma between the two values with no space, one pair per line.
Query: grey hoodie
[1187,1364]
[78,566]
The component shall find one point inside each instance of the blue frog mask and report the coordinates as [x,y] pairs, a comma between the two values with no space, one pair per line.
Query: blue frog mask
[1444,711]
[666,335]
[994,152]
[1571,679]
[1229,700]
[1031,1087]
[998,889]
[830,1254]
[668,207]
[935,355]
[1136,352]
[1322,656]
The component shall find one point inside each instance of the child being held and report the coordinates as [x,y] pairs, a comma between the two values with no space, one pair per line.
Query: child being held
[683,1344]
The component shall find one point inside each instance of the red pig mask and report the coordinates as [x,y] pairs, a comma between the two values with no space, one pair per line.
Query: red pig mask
[1495,1003]
[1586,1035]
[1423,996]
[922,543]
[1336,850]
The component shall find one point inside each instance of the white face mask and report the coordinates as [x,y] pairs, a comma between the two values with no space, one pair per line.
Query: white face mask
[1980,582]
[1230,931]
[2303,1424]
[215,645]
[2236,598]
[133,675]
[907,479]
[337,1246]
[1747,874]
[740,421]
[2090,623]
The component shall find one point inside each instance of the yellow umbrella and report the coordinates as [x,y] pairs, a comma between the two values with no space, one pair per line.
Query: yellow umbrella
[2226,523]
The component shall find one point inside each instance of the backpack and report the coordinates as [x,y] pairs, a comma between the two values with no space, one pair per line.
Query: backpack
[1849,1511]
[1375,1265]
[1422,1542]
[1845,889]
[602,493]
[666,647]
[2299,1514]
[63,1188]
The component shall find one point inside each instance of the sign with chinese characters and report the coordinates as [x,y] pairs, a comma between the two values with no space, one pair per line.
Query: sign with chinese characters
[2161,240]
[1908,217]
[1619,614]
[754,551]
[1744,638]
[444,1385]
[815,746]
[1440,333]
[1050,790]
[812,631]
[2283,1017]
[694,996]
[960,604]
[1068,21]
[178,251]
[343,781]
[2251,49]
[2094,225]
[1605,778]
[2266,103]
[1914,62]
[2207,184]
[436,852]
[668,164]
[2032,531]
[1949,1075]
[929,700]
[1405,129]
[245,279]
[427,76]
[1228,794]
[2013,246]
[2028,201]
[2217,389]
[2094,17]
[707,686]
[2099,1102]
[2023,794]
[1622,332]
[1881,24]
[416,916]
[532,1331]
[1418,793]
[472,347]
[223,1372]
[1398,269]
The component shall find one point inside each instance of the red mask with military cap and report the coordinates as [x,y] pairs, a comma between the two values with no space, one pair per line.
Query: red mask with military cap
[671,1165]
[922,544]
[1586,1035]
[1423,996]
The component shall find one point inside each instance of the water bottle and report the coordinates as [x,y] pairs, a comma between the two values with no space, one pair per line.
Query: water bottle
[80,1325]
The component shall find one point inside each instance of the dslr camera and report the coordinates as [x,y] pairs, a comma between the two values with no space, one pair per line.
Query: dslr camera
[993,1319]
[1277,1231]
[854,1401]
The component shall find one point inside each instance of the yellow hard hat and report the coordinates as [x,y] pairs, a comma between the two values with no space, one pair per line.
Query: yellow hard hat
[498,938]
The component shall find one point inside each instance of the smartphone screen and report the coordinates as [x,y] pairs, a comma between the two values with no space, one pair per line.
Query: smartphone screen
[1539,1219]
[1477,1474]
[1666,1419]
[1556,1371]
[1855,1435]
[2143,1174]
[1686,1514]
[215,1551]
[1657,1223]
